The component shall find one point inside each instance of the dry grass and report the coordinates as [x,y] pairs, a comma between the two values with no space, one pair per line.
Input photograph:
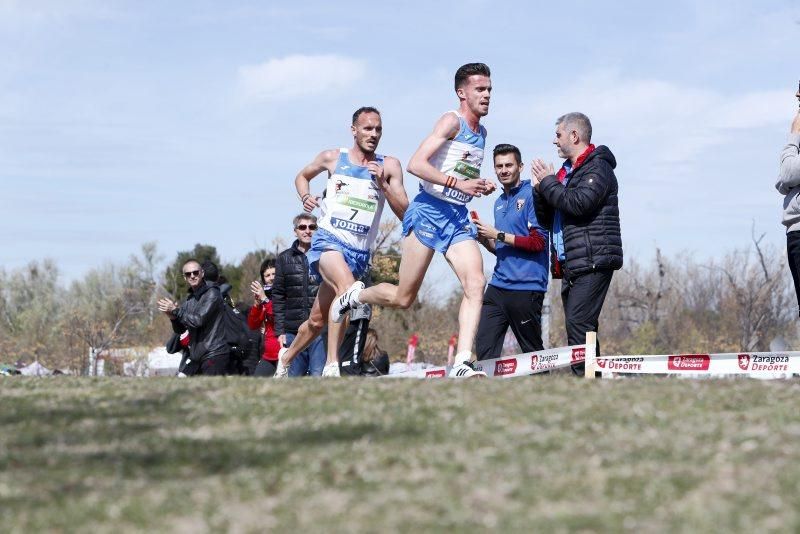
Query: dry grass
[547,454]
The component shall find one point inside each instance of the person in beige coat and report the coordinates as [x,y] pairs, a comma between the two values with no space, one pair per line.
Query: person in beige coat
[789,185]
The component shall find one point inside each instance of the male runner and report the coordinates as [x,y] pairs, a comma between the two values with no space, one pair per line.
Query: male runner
[359,180]
[448,163]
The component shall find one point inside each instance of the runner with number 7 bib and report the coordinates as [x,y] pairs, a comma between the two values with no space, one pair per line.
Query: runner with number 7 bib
[359,181]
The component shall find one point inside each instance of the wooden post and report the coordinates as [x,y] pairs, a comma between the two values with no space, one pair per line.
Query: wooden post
[590,365]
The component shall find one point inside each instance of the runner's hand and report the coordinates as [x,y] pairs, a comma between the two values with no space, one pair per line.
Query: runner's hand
[310,203]
[376,170]
[474,188]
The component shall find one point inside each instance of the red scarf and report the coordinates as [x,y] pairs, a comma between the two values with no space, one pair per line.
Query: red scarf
[562,172]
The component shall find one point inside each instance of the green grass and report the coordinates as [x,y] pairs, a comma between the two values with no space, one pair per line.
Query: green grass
[545,454]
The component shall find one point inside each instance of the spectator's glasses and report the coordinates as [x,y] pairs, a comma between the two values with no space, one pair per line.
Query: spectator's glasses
[191,274]
[304,227]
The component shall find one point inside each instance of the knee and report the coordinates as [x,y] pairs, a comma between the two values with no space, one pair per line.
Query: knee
[315,324]
[404,302]
[474,286]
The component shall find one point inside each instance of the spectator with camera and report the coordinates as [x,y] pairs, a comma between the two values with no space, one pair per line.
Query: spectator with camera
[262,317]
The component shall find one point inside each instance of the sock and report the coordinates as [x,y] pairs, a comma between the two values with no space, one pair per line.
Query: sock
[463,356]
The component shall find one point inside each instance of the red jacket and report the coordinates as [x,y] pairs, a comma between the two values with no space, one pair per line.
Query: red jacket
[262,315]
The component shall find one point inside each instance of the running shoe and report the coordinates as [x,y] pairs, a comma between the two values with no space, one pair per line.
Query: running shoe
[465,370]
[331,370]
[281,370]
[345,302]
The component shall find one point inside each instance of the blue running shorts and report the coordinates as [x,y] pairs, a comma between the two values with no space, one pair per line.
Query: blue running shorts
[438,224]
[357,260]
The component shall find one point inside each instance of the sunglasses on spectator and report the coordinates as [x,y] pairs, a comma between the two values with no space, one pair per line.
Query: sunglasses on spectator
[304,227]
[190,274]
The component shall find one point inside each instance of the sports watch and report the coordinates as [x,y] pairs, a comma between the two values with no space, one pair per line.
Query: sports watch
[501,236]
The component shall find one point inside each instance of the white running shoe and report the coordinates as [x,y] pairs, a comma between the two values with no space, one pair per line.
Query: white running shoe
[346,301]
[281,370]
[465,370]
[331,370]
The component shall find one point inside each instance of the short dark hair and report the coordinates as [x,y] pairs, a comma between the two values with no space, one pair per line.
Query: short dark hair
[303,217]
[470,69]
[364,109]
[266,264]
[505,148]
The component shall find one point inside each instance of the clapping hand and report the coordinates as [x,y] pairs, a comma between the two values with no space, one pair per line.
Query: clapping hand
[540,169]
[167,306]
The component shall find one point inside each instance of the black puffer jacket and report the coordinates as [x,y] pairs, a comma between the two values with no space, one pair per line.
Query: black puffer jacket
[201,314]
[589,209]
[293,292]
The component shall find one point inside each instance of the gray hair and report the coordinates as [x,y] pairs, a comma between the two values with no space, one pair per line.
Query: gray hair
[303,217]
[579,122]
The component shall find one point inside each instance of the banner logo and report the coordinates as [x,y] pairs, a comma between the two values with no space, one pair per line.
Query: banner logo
[578,355]
[744,361]
[438,373]
[534,361]
[689,362]
[505,367]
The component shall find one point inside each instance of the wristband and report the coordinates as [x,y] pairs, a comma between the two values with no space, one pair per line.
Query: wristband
[304,197]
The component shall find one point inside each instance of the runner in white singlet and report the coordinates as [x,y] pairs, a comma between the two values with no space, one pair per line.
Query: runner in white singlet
[448,163]
[359,182]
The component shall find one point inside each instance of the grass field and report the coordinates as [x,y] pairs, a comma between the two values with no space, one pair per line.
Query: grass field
[544,454]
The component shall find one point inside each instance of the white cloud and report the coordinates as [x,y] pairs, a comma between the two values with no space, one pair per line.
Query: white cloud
[683,120]
[299,76]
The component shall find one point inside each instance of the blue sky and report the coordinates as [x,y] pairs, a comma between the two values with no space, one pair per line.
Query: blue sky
[118,120]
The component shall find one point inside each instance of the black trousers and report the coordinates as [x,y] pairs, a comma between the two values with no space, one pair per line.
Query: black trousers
[583,298]
[520,309]
[265,368]
[793,251]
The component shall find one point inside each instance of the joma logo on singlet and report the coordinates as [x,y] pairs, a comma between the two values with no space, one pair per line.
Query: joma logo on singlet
[350,226]
[356,203]
[457,195]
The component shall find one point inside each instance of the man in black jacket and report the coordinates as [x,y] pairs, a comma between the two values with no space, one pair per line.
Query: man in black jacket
[293,294]
[579,205]
[201,315]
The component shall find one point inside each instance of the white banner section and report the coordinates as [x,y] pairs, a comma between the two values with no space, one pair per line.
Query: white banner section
[530,363]
[759,364]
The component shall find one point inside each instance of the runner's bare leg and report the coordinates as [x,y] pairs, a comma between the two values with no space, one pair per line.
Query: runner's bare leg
[311,327]
[336,274]
[413,265]
[466,261]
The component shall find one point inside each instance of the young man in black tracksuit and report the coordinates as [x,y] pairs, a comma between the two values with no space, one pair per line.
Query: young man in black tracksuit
[515,294]
[579,205]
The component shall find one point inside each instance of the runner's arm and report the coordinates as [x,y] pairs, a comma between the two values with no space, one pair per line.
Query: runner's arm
[446,128]
[393,188]
[324,161]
